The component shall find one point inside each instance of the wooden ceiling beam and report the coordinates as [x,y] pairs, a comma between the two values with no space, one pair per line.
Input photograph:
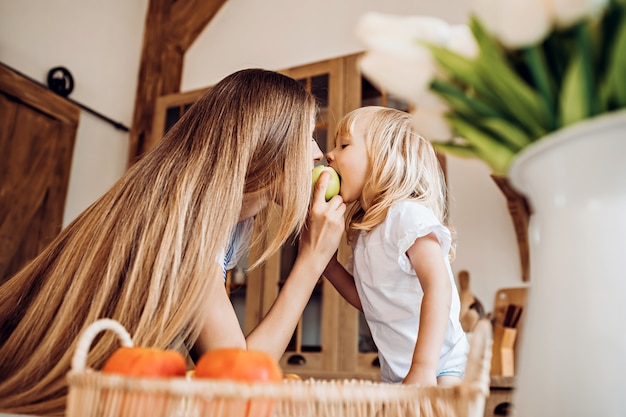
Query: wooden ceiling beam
[189,18]
[171,28]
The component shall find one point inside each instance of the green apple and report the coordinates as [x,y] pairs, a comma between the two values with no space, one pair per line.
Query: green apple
[334,183]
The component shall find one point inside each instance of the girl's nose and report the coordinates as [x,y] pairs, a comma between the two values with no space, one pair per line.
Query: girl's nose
[329,156]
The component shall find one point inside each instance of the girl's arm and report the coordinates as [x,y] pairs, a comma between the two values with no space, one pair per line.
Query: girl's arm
[429,265]
[343,282]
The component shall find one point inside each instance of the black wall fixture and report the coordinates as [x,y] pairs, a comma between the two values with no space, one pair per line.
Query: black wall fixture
[60,81]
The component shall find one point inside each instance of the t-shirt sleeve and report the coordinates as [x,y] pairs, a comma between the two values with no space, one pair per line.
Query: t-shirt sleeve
[406,222]
[240,241]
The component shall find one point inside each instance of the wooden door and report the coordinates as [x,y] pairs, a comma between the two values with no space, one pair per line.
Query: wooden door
[37,133]
[313,350]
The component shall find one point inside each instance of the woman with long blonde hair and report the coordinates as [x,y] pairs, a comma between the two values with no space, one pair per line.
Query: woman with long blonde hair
[150,252]
[401,245]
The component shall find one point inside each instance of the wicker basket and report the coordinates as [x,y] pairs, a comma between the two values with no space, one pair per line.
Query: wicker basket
[94,394]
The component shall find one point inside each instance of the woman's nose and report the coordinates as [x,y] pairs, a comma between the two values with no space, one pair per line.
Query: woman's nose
[317,152]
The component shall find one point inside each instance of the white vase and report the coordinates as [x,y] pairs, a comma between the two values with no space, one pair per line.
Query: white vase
[572,358]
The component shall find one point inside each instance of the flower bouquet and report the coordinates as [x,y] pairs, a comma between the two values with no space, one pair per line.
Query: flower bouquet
[520,70]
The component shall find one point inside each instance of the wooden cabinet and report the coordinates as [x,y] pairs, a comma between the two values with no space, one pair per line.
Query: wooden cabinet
[314,350]
[500,399]
[332,339]
[36,147]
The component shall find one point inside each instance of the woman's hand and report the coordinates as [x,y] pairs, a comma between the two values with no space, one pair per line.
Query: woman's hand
[318,242]
[322,234]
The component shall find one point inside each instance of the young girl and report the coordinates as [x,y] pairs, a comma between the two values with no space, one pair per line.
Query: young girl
[150,253]
[401,280]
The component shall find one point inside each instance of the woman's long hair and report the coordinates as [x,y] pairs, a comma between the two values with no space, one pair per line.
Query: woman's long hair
[143,254]
[402,166]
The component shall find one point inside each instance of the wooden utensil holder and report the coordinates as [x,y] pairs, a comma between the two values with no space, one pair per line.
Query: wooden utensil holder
[503,354]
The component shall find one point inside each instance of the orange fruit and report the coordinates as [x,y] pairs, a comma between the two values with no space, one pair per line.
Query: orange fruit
[238,365]
[145,362]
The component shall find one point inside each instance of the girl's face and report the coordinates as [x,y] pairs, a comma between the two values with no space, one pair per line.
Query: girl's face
[349,158]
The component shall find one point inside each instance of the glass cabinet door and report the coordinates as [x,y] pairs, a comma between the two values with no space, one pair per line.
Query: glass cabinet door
[312,351]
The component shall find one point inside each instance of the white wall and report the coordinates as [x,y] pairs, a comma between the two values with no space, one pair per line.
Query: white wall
[278,34]
[487,245]
[100,43]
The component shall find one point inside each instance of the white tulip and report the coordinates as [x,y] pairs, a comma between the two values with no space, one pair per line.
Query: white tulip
[395,59]
[402,29]
[404,75]
[462,41]
[570,12]
[515,23]
[411,30]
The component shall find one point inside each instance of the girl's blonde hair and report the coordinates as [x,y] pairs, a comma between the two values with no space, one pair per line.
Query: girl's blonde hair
[402,166]
[143,254]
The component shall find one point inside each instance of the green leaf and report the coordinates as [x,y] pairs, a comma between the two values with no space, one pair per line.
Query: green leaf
[583,37]
[457,66]
[558,48]
[461,151]
[495,153]
[520,101]
[614,87]
[543,79]
[607,33]
[463,71]
[516,96]
[514,137]
[479,113]
[462,102]
[573,100]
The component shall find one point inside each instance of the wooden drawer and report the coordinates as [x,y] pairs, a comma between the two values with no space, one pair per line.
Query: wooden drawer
[500,400]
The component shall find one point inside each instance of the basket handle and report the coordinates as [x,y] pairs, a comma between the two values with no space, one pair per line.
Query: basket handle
[79,360]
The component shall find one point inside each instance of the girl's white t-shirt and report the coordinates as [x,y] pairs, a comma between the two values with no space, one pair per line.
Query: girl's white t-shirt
[391,294]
